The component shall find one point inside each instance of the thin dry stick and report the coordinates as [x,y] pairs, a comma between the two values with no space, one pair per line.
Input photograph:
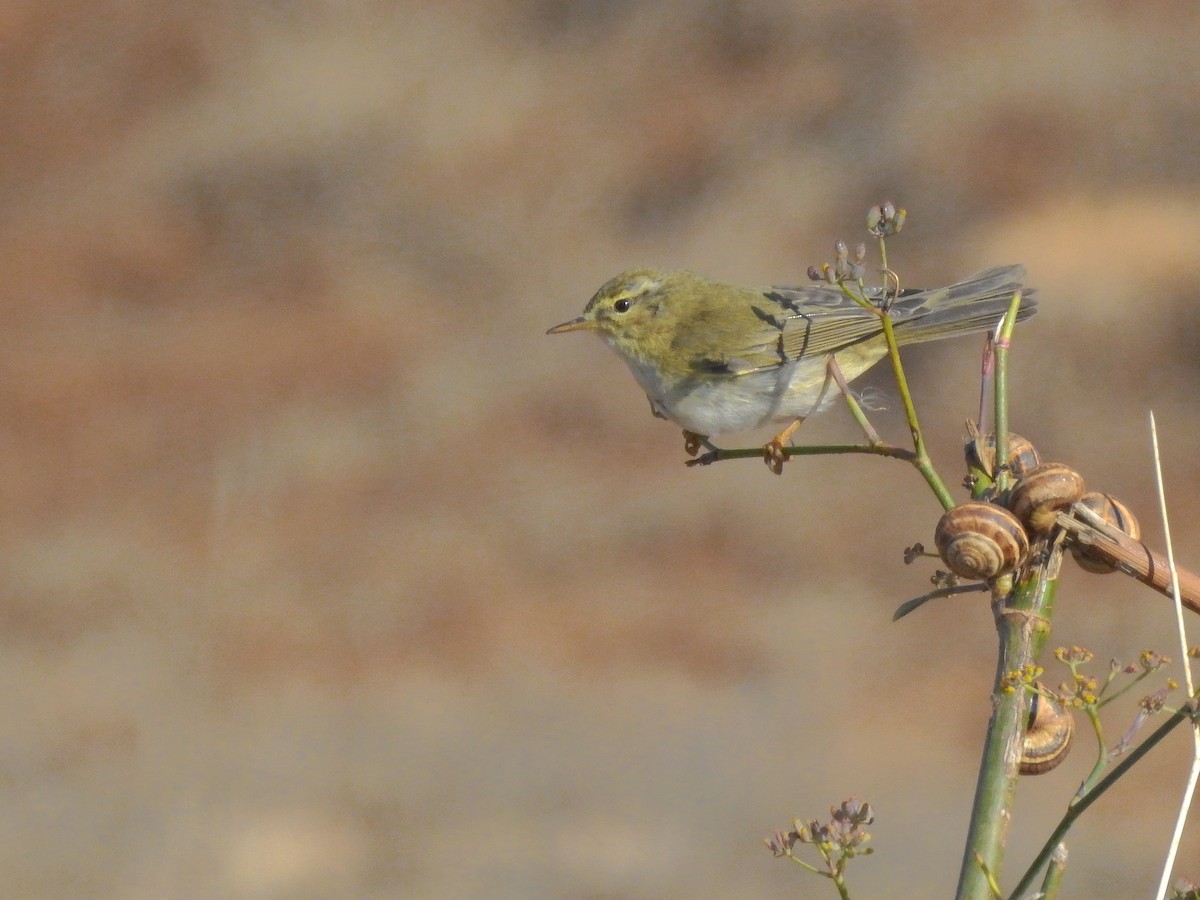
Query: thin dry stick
[1179,623]
[1189,790]
[1130,556]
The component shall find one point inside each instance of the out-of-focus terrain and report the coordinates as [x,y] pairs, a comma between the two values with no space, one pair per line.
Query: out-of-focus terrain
[326,574]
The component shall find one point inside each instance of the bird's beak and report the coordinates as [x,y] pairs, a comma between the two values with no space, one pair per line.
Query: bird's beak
[582,323]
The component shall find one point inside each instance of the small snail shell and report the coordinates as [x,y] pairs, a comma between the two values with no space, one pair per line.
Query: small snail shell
[1118,515]
[980,540]
[981,454]
[1042,492]
[1048,738]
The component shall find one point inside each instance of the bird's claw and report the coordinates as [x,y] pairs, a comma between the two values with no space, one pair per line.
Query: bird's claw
[692,443]
[774,456]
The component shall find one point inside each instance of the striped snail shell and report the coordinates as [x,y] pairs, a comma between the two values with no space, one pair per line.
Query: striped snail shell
[1116,514]
[980,540]
[1047,740]
[1042,492]
[981,454]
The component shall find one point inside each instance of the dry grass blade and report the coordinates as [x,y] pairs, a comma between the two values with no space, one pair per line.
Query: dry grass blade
[1189,791]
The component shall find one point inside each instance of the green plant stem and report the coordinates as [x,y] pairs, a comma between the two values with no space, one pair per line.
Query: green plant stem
[717,454]
[920,459]
[1106,698]
[1023,624]
[921,456]
[831,871]
[798,861]
[1054,873]
[1093,714]
[1077,807]
[1022,613]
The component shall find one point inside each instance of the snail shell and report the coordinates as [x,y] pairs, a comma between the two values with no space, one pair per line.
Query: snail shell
[980,540]
[1116,514]
[981,454]
[1042,492]
[1048,738]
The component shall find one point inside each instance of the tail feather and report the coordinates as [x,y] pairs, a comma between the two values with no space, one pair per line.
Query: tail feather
[975,304]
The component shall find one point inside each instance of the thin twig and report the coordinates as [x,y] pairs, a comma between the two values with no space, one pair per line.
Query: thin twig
[1080,804]
[717,454]
[1000,349]
[986,371]
[920,458]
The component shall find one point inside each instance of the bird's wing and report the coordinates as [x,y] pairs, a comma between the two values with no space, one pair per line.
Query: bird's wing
[814,321]
[810,321]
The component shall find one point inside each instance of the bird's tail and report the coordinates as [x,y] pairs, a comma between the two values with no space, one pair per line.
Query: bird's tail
[975,304]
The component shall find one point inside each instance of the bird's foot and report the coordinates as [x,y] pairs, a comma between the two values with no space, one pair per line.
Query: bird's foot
[774,455]
[775,452]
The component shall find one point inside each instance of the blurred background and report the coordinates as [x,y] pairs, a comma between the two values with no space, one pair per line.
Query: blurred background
[326,573]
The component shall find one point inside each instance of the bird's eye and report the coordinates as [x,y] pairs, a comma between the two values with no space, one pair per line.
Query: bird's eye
[623,305]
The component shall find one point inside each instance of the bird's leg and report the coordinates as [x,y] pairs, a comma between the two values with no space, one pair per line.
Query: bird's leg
[774,453]
[692,442]
[654,408]
[856,409]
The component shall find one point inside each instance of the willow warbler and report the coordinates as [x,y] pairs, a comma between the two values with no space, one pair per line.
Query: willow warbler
[717,358]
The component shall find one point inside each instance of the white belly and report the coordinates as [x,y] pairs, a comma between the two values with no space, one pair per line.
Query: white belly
[740,403]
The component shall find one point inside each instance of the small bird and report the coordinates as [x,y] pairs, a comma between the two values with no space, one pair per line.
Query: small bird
[717,358]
